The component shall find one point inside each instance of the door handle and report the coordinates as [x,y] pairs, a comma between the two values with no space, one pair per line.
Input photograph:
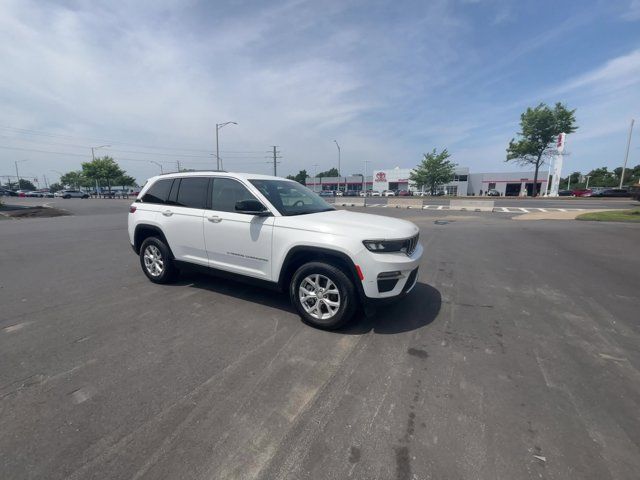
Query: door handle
[214,219]
[167,213]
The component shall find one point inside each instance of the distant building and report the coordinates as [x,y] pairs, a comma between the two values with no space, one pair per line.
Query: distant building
[463,183]
[350,182]
[398,179]
[508,184]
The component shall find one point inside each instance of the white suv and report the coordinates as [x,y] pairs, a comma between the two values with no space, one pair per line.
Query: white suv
[275,232]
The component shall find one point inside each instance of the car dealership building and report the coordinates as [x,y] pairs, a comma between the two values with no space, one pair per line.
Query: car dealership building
[464,183]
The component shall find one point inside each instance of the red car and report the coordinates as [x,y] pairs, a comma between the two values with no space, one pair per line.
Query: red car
[582,192]
[405,193]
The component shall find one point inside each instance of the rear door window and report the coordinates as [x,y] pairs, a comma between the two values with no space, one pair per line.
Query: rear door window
[192,192]
[158,192]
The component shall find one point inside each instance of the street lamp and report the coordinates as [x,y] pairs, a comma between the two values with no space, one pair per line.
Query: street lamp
[315,176]
[158,164]
[339,154]
[17,173]
[93,157]
[218,127]
[364,181]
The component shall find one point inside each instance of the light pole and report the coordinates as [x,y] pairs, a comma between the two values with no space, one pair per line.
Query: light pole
[158,164]
[315,176]
[339,155]
[93,157]
[364,181]
[218,127]
[17,173]
[588,177]
[626,155]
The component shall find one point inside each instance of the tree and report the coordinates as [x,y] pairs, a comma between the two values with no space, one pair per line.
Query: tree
[125,181]
[435,169]
[104,168]
[539,130]
[329,173]
[55,187]
[73,179]
[25,185]
[300,177]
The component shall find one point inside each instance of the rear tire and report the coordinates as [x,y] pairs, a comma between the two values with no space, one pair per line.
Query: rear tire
[323,295]
[157,262]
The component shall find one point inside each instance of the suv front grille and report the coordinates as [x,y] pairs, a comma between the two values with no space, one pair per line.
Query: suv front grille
[411,244]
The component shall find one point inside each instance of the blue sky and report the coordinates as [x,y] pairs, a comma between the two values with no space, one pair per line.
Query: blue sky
[388,80]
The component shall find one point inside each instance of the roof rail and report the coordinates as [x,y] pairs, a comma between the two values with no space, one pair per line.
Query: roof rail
[191,171]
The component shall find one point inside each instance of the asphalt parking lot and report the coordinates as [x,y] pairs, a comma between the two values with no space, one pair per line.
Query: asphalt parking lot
[516,356]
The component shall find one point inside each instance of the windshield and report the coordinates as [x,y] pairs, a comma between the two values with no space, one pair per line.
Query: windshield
[291,198]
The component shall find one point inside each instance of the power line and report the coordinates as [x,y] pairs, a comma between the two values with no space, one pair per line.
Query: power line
[26,131]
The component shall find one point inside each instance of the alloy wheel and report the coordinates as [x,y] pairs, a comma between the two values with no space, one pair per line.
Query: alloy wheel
[319,296]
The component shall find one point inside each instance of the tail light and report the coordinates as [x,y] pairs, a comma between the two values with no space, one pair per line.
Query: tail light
[132,209]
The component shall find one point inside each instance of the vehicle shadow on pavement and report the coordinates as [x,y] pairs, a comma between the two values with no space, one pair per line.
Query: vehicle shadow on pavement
[417,310]
[237,289]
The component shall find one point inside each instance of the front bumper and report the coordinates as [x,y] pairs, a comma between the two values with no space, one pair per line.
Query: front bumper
[373,264]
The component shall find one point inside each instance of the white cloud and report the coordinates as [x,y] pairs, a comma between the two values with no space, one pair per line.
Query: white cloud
[618,73]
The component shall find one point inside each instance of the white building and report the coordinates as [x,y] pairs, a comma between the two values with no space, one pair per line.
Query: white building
[508,184]
[398,179]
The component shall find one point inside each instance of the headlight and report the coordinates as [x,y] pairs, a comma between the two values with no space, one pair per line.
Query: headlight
[385,246]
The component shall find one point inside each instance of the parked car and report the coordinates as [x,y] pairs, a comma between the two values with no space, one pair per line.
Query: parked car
[405,193]
[375,193]
[363,194]
[330,261]
[339,193]
[388,193]
[5,192]
[565,193]
[613,192]
[72,194]
[351,193]
[582,192]
[493,193]
[323,193]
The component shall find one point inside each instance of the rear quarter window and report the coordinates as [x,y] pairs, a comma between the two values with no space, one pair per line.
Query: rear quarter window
[158,192]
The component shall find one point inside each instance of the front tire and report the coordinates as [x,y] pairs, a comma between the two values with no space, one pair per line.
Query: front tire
[157,262]
[323,295]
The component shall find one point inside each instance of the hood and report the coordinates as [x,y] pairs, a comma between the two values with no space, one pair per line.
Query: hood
[363,226]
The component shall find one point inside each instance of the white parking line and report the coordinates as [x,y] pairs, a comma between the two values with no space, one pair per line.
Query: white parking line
[524,210]
[440,207]
[562,209]
[542,209]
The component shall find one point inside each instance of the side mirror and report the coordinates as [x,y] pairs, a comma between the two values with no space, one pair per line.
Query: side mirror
[252,207]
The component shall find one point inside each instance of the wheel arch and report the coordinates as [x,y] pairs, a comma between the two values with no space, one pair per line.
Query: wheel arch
[299,255]
[144,231]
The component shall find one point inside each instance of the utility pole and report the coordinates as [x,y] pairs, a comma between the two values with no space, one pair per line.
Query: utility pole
[588,177]
[178,164]
[339,155]
[626,155]
[275,160]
